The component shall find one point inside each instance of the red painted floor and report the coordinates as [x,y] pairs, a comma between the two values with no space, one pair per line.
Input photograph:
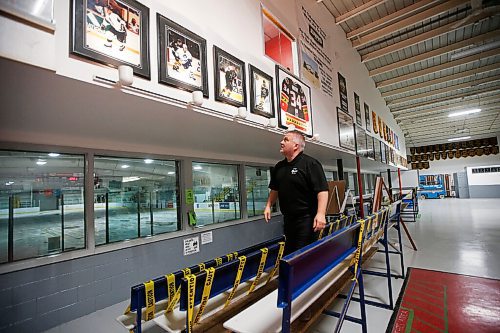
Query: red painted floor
[444,302]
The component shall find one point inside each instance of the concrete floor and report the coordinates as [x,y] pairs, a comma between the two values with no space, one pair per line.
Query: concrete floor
[452,235]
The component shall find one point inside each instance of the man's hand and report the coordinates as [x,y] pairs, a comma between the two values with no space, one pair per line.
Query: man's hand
[319,222]
[267,213]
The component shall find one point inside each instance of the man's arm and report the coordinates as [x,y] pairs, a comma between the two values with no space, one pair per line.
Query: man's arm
[273,196]
[320,218]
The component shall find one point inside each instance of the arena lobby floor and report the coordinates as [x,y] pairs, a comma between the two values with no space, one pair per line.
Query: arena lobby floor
[452,235]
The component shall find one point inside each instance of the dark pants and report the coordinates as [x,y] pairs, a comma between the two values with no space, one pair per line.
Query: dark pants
[299,232]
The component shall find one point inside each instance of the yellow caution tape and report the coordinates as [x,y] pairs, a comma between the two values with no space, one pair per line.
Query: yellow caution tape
[150,299]
[331,227]
[321,234]
[278,258]
[186,271]
[262,264]
[201,266]
[127,310]
[173,294]
[190,309]
[229,257]
[206,292]
[218,261]
[241,267]
[368,227]
[357,256]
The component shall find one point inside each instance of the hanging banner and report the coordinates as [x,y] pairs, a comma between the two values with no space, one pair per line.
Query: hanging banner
[344,105]
[316,64]
[357,108]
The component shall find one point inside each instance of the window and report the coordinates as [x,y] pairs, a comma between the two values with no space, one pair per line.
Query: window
[41,204]
[279,43]
[216,193]
[134,198]
[257,182]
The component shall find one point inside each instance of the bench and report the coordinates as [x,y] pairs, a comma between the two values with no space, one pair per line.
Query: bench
[160,296]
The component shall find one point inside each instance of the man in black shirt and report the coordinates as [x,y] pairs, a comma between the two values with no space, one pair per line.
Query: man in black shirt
[300,184]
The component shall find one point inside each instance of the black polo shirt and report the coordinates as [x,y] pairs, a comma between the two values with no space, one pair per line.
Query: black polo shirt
[298,183]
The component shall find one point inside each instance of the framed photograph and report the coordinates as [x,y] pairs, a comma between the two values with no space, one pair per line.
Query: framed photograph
[346,130]
[261,92]
[370,147]
[383,151]
[376,148]
[182,57]
[230,78]
[361,144]
[344,105]
[294,100]
[357,108]
[368,124]
[112,32]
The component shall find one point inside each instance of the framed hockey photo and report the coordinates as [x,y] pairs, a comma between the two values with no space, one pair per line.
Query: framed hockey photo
[230,78]
[261,92]
[346,130]
[182,57]
[294,102]
[112,32]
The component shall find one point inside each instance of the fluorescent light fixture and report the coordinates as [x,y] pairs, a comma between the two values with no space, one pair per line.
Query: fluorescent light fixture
[130,179]
[9,183]
[171,173]
[41,162]
[197,167]
[463,113]
[148,161]
[53,154]
[125,166]
[460,138]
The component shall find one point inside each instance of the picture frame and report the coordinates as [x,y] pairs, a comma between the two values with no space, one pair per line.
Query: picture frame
[361,144]
[383,151]
[182,57]
[261,92]
[111,32]
[377,150]
[346,130]
[368,124]
[294,102]
[230,78]
[357,108]
[370,147]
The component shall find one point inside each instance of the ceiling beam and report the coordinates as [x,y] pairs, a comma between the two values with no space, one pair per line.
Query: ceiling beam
[389,18]
[447,99]
[407,22]
[453,132]
[437,68]
[460,75]
[417,39]
[358,10]
[435,92]
[402,114]
[434,53]
[444,122]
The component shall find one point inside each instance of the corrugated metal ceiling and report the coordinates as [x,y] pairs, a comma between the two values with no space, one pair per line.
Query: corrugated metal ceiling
[428,58]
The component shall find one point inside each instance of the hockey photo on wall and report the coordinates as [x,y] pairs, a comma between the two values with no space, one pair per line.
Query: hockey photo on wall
[112,32]
[346,130]
[182,57]
[294,100]
[261,93]
[230,78]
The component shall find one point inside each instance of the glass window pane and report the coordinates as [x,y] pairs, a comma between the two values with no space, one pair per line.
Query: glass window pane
[134,198]
[45,193]
[216,192]
[257,184]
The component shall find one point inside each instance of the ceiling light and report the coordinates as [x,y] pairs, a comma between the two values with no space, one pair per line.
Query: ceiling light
[53,154]
[171,173]
[41,162]
[459,139]
[9,183]
[463,113]
[125,166]
[197,167]
[130,179]
[148,161]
